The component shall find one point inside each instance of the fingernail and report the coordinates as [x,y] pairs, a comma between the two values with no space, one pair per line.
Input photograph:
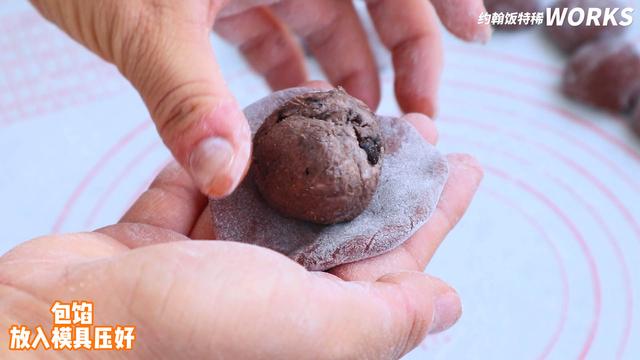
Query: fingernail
[447,311]
[210,165]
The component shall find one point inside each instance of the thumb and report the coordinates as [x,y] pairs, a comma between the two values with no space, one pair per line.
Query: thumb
[195,114]
[422,292]
[390,317]
[162,47]
[420,305]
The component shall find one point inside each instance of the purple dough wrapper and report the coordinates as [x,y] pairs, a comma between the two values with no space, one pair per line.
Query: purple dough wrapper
[411,181]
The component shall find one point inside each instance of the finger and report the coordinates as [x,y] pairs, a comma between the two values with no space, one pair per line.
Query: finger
[424,125]
[204,228]
[172,202]
[135,235]
[267,45]
[171,63]
[411,33]
[335,36]
[385,319]
[465,175]
[446,304]
[318,84]
[163,49]
[237,7]
[461,18]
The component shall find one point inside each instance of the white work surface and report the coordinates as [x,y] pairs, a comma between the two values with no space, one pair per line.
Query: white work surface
[547,260]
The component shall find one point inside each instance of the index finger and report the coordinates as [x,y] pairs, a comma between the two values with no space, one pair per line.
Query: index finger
[172,202]
[461,18]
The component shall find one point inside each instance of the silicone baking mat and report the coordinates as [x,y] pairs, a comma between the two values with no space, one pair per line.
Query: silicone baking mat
[547,260]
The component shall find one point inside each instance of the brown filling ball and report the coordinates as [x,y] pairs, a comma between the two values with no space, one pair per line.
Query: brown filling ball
[605,74]
[318,157]
[569,38]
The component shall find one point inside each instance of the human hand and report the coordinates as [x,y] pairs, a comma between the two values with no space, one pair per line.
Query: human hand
[163,48]
[201,299]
